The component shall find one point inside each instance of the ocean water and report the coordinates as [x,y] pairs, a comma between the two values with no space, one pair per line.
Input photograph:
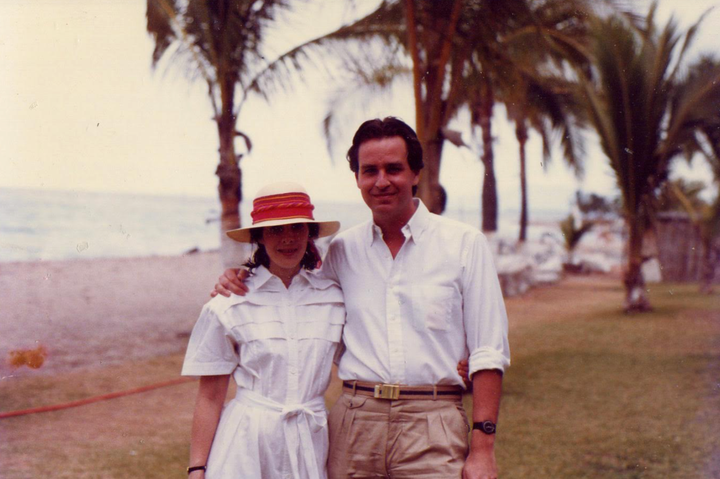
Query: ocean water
[57,225]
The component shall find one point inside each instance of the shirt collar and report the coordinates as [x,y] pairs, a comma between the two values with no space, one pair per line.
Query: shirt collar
[413,229]
[264,279]
[260,277]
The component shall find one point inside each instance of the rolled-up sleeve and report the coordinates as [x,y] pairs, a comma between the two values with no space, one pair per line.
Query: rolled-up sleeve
[484,313]
[211,350]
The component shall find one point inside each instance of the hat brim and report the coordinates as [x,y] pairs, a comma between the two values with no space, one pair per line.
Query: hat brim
[242,235]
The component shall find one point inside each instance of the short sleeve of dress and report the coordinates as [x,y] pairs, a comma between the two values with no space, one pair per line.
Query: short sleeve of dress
[211,350]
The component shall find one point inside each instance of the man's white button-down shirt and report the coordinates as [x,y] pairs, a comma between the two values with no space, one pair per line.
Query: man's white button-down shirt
[412,318]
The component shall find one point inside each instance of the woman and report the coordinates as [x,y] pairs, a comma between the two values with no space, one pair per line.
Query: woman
[277,342]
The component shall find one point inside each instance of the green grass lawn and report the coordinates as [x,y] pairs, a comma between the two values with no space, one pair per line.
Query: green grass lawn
[606,395]
[591,393]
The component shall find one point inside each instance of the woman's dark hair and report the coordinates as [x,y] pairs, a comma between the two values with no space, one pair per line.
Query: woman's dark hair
[387,128]
[310,260]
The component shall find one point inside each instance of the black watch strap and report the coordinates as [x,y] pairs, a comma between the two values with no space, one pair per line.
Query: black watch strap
[488,427]
[196,468]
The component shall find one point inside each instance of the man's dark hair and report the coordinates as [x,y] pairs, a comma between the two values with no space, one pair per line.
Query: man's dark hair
[310,260]
[387,128]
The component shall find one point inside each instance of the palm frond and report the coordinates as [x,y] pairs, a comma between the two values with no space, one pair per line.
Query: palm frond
[160,17]
[351,99]
[379,33]
[689,38]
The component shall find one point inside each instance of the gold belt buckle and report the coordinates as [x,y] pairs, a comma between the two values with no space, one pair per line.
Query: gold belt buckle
[387,391]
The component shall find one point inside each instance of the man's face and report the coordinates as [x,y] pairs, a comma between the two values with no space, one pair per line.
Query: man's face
[385,178]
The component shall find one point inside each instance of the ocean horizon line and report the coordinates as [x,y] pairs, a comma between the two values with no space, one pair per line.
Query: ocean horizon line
[69,224]
[465,203]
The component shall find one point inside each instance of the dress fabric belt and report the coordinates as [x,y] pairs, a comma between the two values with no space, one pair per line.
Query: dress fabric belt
[296,423]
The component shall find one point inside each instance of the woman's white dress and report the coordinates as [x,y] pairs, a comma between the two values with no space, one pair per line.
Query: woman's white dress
[279,345]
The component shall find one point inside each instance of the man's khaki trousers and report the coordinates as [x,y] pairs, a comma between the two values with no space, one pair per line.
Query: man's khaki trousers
[401,439]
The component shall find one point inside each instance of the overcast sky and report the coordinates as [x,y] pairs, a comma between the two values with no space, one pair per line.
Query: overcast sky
[81,109]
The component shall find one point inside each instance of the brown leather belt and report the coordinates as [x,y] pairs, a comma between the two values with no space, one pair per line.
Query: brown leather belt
[399,391]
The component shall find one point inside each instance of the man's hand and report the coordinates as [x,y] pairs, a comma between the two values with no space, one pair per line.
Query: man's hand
[480,464]
[231,281]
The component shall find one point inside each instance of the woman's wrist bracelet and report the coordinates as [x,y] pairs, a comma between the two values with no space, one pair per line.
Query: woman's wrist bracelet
[196,468]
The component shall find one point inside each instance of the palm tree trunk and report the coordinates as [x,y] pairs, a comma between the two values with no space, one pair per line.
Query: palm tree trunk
[522,137]
[415,56]
[230,179]
[432,157]
[489,188]
[429,114]
[636,300]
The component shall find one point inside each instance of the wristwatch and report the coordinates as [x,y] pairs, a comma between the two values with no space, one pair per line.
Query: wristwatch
[488,427]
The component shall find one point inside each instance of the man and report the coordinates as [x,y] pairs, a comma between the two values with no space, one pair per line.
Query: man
[421,293]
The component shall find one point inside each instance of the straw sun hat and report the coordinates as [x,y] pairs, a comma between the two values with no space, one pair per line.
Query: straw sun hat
[282,203]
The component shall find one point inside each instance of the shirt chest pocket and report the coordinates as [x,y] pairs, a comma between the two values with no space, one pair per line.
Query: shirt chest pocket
[260,342]
[320,330]
[250,332]
[434,307]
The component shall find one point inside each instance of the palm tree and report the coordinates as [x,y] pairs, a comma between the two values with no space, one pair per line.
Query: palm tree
[543,106]
[439,37]
[524,65]
[536,94]
[478,58]
[573,233]
[481,102]
[220,41]
[459,47]
[644,115]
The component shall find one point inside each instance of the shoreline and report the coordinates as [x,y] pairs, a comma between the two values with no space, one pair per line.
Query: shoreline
[99,311]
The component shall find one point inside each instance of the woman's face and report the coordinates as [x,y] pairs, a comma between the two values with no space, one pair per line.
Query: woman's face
[285,245]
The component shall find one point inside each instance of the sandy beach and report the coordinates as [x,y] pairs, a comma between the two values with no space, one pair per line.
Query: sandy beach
[96,312]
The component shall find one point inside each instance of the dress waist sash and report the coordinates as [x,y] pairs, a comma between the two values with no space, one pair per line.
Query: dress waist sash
[296,424]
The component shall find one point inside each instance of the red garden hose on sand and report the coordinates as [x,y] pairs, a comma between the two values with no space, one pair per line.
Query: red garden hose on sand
[90,400]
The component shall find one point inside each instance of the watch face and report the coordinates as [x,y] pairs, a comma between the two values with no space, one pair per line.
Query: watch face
[488,427]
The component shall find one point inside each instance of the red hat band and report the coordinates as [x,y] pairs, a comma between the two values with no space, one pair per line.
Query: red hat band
[282,207]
